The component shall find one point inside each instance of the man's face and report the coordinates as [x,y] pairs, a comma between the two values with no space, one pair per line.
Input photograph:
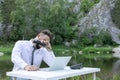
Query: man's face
[44,38]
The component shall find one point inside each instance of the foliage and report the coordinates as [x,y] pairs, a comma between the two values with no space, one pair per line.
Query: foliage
[21,20]
[31,16]
[28,17]
[87,4]
[83,77]
[61,50]
[6,48]
[0,16]
[116,77]
[95,36]
[89,52]
[115,14]
[97,52]
[104,38]
[58,39]
[86,37]
[6,7]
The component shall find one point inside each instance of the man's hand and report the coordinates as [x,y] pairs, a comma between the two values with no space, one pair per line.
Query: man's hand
[48,46]
[31,68]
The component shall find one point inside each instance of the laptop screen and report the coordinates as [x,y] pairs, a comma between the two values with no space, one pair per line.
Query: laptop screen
[59,63]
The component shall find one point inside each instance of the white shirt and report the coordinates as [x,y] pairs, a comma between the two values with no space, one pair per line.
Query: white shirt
[22,55]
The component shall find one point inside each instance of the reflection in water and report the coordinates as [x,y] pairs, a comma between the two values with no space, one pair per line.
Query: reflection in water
[106,66]
[5,66]
[116,67]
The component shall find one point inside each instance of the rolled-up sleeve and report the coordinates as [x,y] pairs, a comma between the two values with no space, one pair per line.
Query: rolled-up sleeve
[16,56]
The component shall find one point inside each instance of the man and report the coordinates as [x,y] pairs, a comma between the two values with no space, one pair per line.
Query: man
[27,55]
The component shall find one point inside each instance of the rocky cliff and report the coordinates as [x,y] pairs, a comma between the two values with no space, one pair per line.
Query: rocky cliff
[100,16]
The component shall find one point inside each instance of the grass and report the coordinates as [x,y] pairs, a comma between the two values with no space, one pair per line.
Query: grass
[87,52]
[6,48]
[5,57]
[61,50]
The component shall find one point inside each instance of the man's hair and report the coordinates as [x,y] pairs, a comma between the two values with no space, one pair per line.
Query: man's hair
[47,32]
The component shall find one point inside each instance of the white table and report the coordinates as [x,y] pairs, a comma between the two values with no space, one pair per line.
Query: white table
[53,75]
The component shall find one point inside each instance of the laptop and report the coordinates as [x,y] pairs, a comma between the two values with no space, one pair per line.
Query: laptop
[59,63]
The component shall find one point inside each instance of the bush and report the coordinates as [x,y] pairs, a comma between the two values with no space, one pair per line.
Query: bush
[58,39]
[115,14]
[0,17]
[104,38]
[32,16]
[93,35]
[6,47]
[86,38]
[97,52]
[87,4]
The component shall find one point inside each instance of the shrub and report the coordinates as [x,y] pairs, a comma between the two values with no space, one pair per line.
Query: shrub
[115,14]
[87,4]
[6,47]
[32,16]
[97,50]
[104,38]
[86,37]
[93,35]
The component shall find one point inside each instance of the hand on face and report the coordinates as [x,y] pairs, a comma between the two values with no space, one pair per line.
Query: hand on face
[45,39]
[47,44]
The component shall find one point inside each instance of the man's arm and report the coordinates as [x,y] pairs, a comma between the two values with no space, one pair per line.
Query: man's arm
[48,56]
[16,56]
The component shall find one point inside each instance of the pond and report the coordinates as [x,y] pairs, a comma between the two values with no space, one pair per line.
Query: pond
[5,66]
[110,68]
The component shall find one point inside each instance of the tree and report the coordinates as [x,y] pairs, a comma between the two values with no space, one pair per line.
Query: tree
[7,6]
[31,16]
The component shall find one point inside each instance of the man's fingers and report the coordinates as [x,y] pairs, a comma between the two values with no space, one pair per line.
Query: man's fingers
[31,68]
[35,68]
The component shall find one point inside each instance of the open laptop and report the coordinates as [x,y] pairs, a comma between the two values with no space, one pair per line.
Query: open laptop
[59,63]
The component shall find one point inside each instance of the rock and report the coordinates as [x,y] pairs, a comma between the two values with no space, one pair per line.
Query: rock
[100,16]
[71,43]
[116,52]
[1,54]
[80,52]
[74,42]
[67,44]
